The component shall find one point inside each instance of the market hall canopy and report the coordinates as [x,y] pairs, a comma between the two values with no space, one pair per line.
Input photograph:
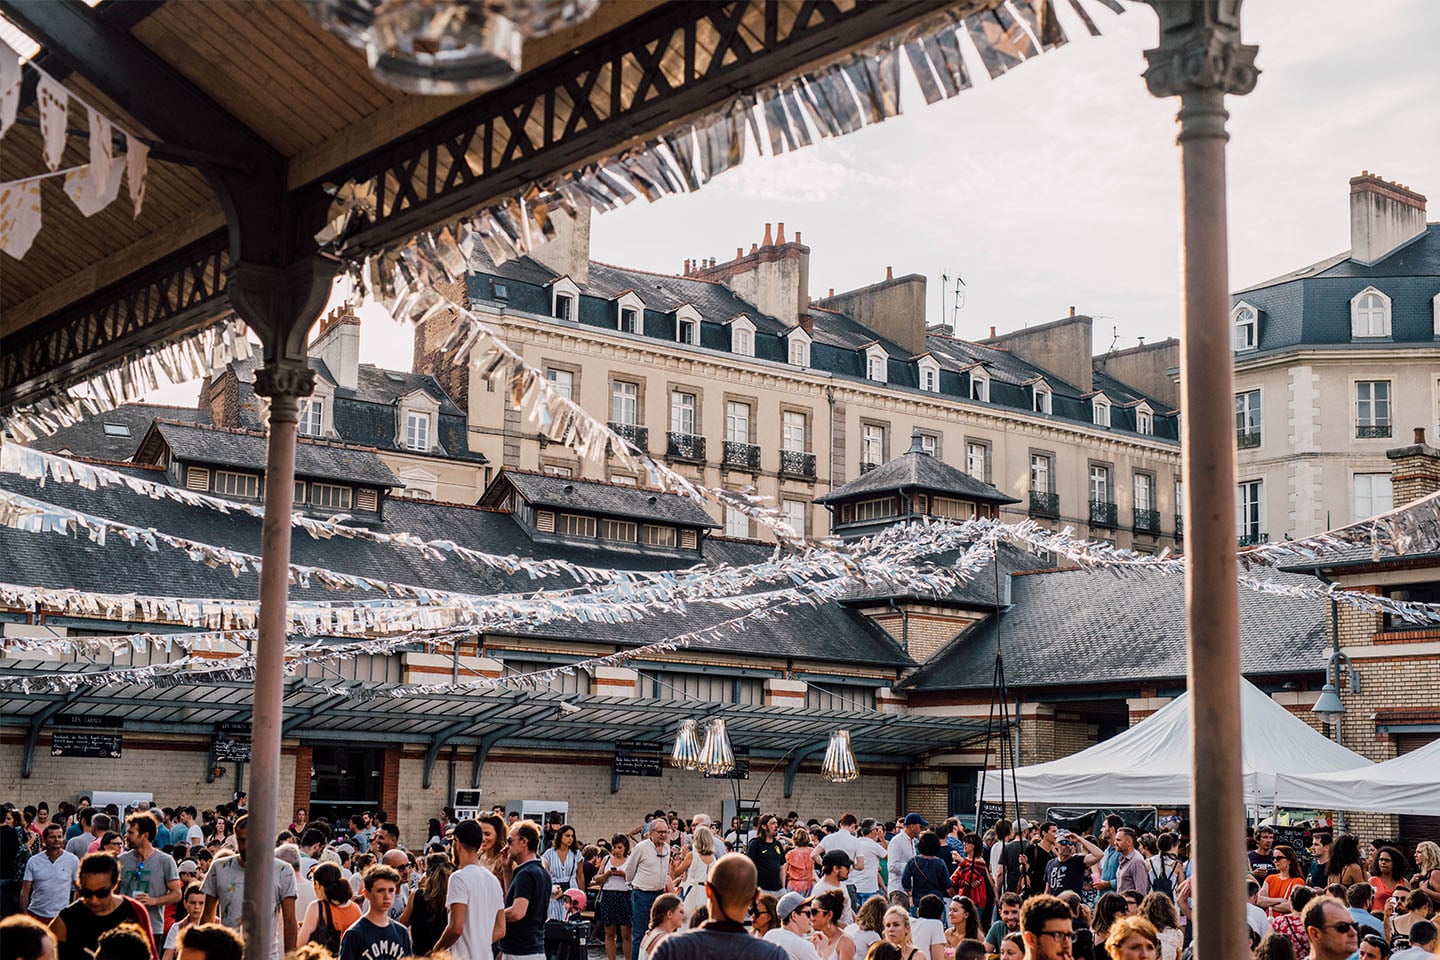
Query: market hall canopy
[1151,762]
[1407,785]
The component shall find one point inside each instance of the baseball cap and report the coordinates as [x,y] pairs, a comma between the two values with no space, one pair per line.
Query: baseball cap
[1022,824]
[837,858]
[913,818]
[788,904]
[188,866]
[1067,837]
[468,832]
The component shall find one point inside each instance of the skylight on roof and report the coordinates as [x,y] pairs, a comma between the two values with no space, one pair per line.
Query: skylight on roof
[394,378]
[117,430]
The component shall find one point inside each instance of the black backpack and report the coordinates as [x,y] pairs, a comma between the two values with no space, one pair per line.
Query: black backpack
[1164,881]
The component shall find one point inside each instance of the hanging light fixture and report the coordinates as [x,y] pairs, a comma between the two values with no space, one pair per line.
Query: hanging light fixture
[686,752]
[839,765]
[445,46]
[716,756]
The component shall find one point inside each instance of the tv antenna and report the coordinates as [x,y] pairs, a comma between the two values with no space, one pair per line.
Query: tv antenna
[951,317]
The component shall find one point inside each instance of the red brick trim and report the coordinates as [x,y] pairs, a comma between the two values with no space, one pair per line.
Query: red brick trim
[1405,636]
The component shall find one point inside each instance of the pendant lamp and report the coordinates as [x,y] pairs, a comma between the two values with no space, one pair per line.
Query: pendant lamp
[839,765]
[716,757]
[686,752]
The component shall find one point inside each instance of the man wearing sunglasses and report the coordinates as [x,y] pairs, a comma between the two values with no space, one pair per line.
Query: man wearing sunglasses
[797,923]
[1333,933]
[98,910]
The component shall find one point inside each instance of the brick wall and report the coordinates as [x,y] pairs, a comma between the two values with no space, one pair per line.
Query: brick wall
[430,336]
[585,783]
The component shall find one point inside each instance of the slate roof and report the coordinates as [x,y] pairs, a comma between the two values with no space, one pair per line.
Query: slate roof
[246,449]
[597,496]
[89,439]
[1075,626]
[829,632]
[979,591]
[916,469]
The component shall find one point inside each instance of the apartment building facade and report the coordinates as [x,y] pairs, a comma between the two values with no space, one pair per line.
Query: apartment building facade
[1333,362]
[735,376]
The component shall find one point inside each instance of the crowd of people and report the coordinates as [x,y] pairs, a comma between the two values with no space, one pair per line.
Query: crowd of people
[154,883]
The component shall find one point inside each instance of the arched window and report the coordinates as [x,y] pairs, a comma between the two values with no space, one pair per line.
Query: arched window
[1246,320]
[1370,314]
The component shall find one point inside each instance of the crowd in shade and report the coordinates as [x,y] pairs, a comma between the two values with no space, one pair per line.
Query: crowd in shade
[90,882]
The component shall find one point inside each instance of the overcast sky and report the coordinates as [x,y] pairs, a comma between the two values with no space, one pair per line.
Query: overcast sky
[1058,183]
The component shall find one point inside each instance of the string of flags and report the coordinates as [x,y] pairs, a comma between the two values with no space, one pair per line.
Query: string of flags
[91,186]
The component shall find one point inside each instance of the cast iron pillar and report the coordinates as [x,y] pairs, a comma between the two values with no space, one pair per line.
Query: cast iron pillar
[1200,59]
[279,305]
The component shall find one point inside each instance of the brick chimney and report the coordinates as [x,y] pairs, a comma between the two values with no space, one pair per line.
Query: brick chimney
[338,344]
[1414,470]
[1383,217]
[569,253]
[774,275]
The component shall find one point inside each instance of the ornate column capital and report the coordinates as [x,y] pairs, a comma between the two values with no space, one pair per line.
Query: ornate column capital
[1200,50]
[285,377]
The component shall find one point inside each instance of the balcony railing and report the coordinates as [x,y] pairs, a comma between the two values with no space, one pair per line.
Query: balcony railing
[866,466]
[1252,539]
[685,446]
[797,463]
[1372,431]
[742,456]
[1147,521]
[1247,439]
[636,434]
[1044,504]
[1102,514]
[1179,526]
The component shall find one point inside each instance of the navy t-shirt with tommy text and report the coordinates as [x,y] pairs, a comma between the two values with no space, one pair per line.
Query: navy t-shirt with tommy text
[365,940]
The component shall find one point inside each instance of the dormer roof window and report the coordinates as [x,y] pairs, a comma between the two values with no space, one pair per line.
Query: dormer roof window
[877,364]
[1145,419]
[1100,410]
[1245,327]
[564,299]
[979,383]
[797,343]
[687,324]
[1042,397]
[929,369]
[629,313]
[742,336]
[1369,314]
[419,412]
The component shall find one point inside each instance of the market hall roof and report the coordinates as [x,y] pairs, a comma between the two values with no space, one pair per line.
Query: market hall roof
[245,449]
[917,470]
[114,434]
[596,496]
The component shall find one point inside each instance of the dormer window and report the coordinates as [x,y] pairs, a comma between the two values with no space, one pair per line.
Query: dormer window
[417,431]
[1246,326]
[742,336]
[1042,398]
[564,299]
[629,313]
[1369,314]
[1100,410]
[877,364]
[799,345]
[629,320]
[416,427]
[1144,420]
[979,384]
[929,374]
[687,324]
[312,417]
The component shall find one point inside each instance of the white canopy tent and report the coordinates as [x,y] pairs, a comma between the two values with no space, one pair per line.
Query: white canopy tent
[1406,785]
[1150,762]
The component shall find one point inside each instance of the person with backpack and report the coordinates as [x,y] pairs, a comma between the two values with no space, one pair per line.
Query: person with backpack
[1164,869]
[971,878]
[1068,869]
[333,910]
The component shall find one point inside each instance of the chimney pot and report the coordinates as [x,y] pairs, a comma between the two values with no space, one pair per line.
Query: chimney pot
[797,236]
[780,234]
[831,293]
[1419,436]
[739,252]
[1072,311]
[754,248]
[767,241]
[992,331]
[687,268]
[889,273]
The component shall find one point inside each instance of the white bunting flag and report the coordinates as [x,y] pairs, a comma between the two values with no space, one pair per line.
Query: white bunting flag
[19,216]
[9,86]
[102,150]
[83,186]
[137,160]
[54,115]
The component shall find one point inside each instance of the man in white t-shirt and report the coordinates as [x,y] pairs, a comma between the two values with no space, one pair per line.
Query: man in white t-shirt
[193,833]
[845,841]
[927,930]
[797,920]
[869,851]
[474,898]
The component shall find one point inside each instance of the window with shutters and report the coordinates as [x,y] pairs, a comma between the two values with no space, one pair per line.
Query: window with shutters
[237,484]
[545,521]
[1373,495]
[689,540]
[794,512]
[197,478]
[367,499]
[330,496]
[737,524]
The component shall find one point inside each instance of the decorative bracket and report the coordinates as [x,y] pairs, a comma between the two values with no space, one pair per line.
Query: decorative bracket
[32,735]
[482,752]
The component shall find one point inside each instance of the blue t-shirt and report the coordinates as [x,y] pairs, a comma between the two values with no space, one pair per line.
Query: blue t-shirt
[527,935]
[365,940]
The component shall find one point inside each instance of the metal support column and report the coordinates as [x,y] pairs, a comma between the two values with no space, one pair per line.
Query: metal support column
[1200,58]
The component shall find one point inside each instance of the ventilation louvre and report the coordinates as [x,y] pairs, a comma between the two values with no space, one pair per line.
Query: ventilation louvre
[367,500]
[197,478]
[689,539]
[545,521]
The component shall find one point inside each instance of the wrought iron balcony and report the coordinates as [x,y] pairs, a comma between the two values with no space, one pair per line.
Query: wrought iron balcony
[1372,431]
[797,463]
[1247,439]
[866,466]
[1147,521]
[685,446]
[1252,539]
[636,434]
[1179,526]
[742,456]
[1103,514]
[1044,504]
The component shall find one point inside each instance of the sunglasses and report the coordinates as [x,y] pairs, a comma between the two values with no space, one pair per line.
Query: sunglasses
[1344,926]
[86,894]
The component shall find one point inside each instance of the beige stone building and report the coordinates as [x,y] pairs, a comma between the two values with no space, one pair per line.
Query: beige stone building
[734,375]
[1333,363]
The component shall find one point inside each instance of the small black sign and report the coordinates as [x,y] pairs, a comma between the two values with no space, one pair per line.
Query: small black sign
[741,771]
[241,727]
[637,758]
[96,746]
[87,720]
[231,749]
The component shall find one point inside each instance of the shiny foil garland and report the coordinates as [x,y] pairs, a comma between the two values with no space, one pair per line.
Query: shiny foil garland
[839,765]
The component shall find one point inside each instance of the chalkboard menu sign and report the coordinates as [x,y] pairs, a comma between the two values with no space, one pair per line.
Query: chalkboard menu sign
[637,758]
[741,771]
[229,748]
[95,746]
